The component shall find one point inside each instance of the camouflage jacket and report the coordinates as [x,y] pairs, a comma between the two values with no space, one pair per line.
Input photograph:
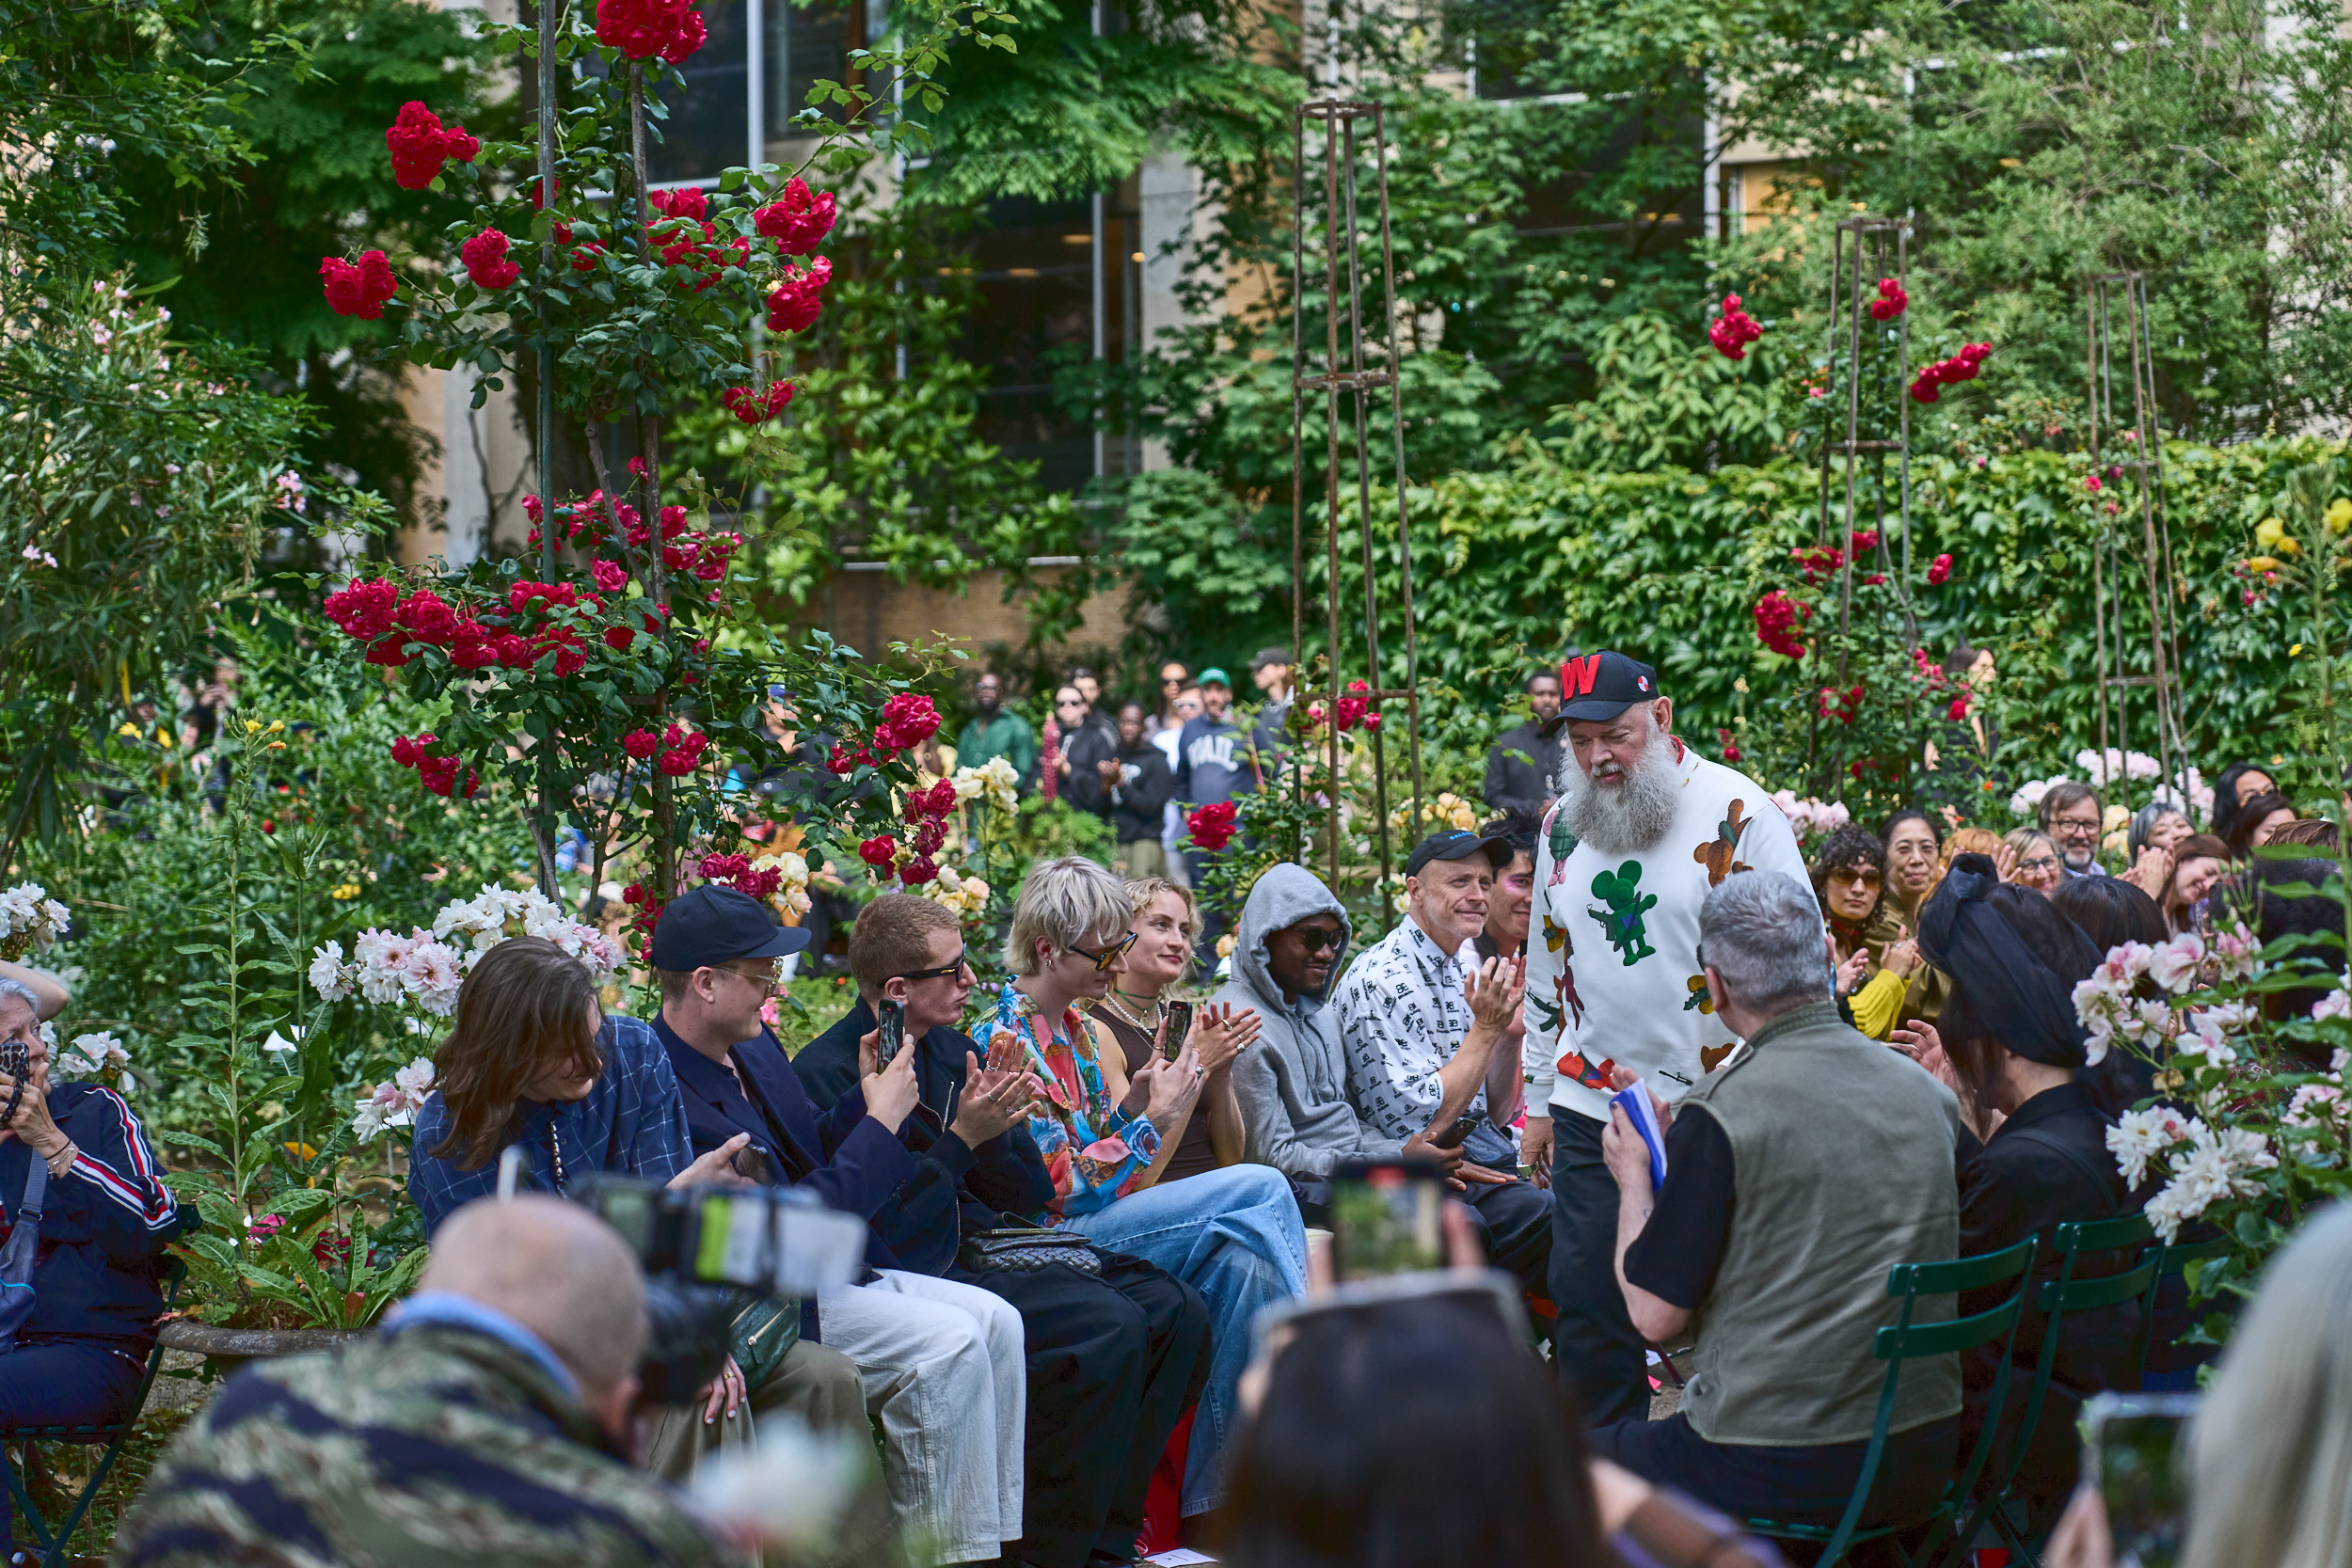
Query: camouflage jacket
[435,1445]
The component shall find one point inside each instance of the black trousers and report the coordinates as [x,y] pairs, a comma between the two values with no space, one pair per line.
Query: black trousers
[1114,1362]
[1594,1340]
[1517,1222]
[1795,1485]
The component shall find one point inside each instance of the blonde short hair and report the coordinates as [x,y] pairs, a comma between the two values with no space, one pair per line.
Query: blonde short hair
[1142,890]
[1065,904]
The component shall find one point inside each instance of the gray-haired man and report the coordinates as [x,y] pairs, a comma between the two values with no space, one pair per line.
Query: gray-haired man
[1798,1173]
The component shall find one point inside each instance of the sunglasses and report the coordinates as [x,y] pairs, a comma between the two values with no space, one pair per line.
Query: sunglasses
[955,967]
[1854,879]
[1107,958]
[764,977]
[1316,940]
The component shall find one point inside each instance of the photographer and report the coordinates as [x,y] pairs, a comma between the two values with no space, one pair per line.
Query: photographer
[78,1297]
[533,1060]
[481,1426]
[941,1361]
[1114,1357]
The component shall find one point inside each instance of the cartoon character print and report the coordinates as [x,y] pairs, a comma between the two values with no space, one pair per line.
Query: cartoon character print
[1712,1057]
[1563,845]
[1700,996]
[1621,892]
[1719,855]
[1573,1065]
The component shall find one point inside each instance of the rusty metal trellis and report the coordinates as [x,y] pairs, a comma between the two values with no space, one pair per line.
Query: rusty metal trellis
[1876,248]
[1343,370]
[2103,292]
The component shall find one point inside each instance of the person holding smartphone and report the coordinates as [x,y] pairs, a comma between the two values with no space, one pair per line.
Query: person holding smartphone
[1233,1234]
[1137,1013]
[1114,1355]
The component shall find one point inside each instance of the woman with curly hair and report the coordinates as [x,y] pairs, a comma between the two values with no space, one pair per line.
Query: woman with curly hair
[1849,878]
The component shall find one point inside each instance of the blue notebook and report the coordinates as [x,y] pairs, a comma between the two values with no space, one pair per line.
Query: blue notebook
[1634,1098]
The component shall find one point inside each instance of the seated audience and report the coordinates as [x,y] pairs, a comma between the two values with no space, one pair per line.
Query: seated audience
[941,1361]
[2160,825]
[2010,1031]
[1915,860]
[479,1427]
[1965,841]
[1428,1042]
[1336,1469]
[2074,817]
[2199,861]
[1232,1234]
[2258,820]
[1115,1357]
[533,1060]
[2039,867]
[2316,833]
[2239,782]
[2269,1456]
[88,1219]
[1763,1237]
[1167,925]
[1848,877]
[2250,895]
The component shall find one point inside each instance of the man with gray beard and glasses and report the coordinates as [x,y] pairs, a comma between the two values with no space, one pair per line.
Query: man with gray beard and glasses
[1627,855]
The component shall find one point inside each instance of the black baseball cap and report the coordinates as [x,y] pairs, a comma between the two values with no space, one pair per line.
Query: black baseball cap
[1453,844]
[1603,685]
[711,925]
[1271,656]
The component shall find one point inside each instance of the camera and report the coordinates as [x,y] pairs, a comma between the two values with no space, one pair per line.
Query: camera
[16,1065]
[709,1253]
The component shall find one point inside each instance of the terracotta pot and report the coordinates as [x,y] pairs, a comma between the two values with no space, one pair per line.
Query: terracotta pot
[228,1349]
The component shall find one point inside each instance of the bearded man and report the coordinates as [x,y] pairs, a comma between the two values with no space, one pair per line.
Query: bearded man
[1627,855]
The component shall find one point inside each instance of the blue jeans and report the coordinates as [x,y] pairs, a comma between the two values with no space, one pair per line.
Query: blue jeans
[1234,1236]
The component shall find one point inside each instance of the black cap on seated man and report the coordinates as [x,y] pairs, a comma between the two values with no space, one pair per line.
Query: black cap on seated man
[1425,1024]
[1113,1358]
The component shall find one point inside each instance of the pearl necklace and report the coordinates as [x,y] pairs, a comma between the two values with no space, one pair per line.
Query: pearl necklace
[1159,1010]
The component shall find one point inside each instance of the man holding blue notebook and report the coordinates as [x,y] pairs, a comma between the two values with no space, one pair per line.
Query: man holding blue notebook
[1645,830]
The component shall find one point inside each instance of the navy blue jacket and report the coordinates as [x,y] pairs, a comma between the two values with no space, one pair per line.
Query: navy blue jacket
[954,1189]
[845,1159]
[103,1225]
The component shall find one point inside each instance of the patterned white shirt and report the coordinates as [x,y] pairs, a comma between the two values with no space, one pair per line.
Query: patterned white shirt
[1401,1019]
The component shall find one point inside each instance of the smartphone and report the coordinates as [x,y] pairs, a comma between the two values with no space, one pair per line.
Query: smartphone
[755,1163]
[1179,1025]
[1464,1124]
[1384,1217]
[893,1035]
[2132,1453]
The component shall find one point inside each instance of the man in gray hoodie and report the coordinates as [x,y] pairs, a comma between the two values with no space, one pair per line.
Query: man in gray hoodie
[1293,1085]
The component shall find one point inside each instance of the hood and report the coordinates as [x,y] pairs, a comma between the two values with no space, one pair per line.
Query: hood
[1285,895]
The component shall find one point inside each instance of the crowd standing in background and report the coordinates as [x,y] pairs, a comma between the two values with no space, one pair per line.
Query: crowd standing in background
[1850,1063]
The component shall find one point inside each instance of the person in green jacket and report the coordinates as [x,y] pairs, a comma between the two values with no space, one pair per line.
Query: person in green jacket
[996,732]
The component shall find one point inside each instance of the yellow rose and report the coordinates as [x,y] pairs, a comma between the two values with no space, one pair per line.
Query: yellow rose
[2268,532]
[2338,514]
[2262,563]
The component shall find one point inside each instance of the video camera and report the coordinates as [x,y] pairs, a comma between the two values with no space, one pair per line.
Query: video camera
[707,1252]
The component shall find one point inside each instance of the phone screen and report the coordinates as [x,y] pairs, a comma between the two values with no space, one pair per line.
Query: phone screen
[893,1035]
[1384,1217]
[1179,1025]
[2135,1459]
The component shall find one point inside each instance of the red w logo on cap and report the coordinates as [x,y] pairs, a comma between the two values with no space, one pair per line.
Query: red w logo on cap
[1576,675]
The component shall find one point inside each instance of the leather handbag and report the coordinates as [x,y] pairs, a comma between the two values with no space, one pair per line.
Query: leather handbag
[765,1330]
[1025,1250]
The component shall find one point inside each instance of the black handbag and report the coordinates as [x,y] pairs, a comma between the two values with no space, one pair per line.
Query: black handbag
[1025,1250]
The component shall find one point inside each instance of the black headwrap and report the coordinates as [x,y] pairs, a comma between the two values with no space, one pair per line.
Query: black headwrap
[2021,1002]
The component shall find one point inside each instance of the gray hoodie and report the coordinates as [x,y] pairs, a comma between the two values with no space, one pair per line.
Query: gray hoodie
[1292,1084]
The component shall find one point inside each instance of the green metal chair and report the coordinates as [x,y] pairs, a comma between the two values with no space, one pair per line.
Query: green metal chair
[1906,1340]
[48,1540]
[2063,1295]
[2176,1258]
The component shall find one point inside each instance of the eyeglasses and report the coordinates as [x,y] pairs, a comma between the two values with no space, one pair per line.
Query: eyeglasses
[956,967]
[1855,878]
[2040,863]
[1109,955]
[1317,937]
[2070,826]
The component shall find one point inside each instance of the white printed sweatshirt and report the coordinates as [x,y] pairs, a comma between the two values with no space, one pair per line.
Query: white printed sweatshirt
[1612,971]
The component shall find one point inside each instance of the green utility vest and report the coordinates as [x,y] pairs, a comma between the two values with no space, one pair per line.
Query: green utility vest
[1842,1159]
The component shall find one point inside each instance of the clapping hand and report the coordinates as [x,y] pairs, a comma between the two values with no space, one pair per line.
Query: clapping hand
[1220,1033]
[993,1102]
[2152,870]
[1495,989]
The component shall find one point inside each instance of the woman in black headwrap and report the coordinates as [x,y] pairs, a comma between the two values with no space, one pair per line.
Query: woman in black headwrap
[2017,1048]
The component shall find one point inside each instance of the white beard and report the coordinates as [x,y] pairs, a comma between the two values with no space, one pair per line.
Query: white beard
[1628,817]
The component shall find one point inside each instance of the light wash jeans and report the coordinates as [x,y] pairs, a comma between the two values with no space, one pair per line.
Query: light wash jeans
[942,1365]
[1234,1236]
